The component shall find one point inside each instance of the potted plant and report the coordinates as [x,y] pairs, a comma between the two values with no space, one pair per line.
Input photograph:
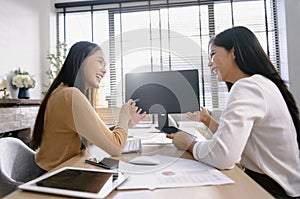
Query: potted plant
[22,80]
[56,61]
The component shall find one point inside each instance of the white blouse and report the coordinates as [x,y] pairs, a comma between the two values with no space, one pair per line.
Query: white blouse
[256,129]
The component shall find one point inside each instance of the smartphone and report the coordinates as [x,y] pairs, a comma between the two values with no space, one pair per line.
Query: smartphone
[173,129]
[107,163]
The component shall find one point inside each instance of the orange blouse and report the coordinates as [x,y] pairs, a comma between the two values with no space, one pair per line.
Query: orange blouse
[68,117]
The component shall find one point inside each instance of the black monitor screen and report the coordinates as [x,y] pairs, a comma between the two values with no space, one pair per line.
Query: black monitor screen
[164,91]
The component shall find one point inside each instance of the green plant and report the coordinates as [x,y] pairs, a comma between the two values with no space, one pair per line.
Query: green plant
[56,61]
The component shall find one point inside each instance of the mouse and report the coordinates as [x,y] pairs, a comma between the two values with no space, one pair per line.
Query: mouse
[144,160]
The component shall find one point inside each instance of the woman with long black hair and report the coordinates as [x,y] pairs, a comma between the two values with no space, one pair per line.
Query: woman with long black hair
[66,115]
[259,127]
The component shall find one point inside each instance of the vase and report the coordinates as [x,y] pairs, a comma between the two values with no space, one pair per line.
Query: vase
[13,91]
[24,93]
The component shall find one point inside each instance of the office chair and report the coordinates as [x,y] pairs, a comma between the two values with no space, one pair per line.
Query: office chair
[17,165]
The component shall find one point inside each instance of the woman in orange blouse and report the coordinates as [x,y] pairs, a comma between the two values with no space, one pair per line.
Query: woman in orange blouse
[66,115]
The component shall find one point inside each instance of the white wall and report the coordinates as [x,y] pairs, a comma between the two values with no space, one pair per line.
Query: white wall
[20,38]
[27,33]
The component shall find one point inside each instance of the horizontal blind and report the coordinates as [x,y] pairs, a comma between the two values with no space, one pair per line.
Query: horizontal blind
[155,35]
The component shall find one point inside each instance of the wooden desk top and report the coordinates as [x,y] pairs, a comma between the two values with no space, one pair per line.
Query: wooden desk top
[244,187]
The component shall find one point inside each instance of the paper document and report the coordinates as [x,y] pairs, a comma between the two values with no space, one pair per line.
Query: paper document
[154,136]
[144,125]
[150,136]
[171,172]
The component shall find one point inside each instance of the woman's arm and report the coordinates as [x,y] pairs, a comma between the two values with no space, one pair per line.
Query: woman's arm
[89,125]
[245,104]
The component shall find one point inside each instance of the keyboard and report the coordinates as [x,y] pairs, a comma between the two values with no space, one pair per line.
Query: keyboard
[133,145]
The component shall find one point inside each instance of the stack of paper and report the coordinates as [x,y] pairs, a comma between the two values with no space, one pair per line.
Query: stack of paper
[171,172]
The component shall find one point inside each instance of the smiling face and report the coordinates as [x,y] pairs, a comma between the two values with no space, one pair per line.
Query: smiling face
[223,63]
[94,69]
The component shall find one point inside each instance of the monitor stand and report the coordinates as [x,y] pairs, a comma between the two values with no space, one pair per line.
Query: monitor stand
[163,124]
[163,121]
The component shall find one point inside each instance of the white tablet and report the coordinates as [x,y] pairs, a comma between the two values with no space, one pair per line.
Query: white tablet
[76,182]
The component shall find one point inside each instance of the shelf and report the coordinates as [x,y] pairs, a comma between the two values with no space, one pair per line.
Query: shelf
[19,102]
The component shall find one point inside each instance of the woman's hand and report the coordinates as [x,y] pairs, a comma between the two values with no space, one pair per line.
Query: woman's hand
[182,141]
[135,113]
[124,116]
[199,116]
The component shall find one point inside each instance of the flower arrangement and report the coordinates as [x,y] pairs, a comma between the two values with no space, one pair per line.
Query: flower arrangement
[22,79]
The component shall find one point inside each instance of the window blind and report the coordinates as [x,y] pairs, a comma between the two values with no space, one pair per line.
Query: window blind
[156,35]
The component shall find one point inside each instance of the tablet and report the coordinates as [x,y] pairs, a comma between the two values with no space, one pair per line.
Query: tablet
[76,182]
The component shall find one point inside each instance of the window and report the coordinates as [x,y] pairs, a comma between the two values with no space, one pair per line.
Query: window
[156,35]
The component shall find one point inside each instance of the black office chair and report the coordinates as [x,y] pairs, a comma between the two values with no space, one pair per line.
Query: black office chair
[17,165]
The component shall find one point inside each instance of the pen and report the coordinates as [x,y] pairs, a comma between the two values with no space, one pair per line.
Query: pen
[135,101]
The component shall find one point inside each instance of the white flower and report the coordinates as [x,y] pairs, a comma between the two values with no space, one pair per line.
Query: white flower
[17,81]
[27,81]
[22,79]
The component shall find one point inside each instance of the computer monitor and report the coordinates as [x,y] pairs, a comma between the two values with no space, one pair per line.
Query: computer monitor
[164,92]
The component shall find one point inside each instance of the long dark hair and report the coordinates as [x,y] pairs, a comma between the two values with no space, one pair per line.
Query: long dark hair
[251,59]
[67,75]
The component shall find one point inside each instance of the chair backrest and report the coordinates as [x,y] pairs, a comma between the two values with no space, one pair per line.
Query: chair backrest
[17,164]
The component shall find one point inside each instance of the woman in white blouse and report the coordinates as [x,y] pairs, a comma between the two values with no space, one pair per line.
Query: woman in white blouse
[259,126]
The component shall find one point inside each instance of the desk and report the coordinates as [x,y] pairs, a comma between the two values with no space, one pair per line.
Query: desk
[244,187]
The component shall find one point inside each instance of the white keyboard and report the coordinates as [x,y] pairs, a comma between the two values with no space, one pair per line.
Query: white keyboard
[133,145]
